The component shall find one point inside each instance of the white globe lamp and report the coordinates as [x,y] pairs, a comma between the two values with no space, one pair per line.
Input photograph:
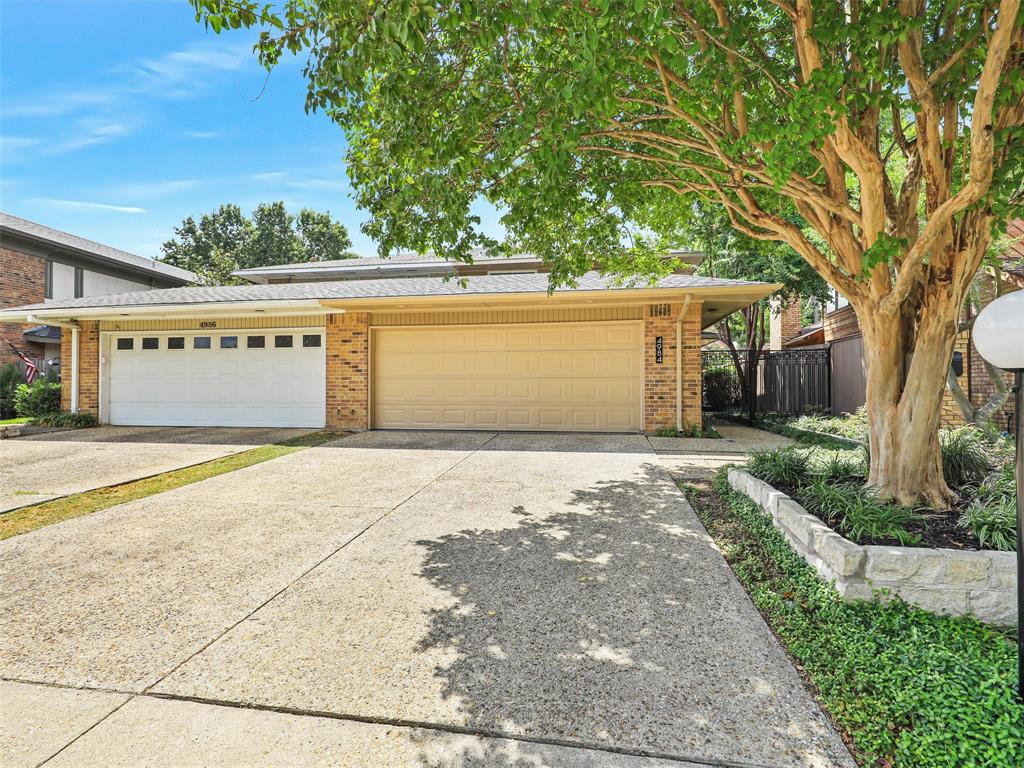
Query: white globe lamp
[999,338]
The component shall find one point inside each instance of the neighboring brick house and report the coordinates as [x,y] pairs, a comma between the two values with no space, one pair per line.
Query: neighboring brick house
[39,264]
[839,328]
[392,344]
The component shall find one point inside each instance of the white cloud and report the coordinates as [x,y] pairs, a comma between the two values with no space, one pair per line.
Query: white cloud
[89,132]
[152,190]
[11,147]
[87,205]
[268,176]
[201,134]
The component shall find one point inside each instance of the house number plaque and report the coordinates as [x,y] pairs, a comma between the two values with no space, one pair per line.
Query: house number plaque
[659,349]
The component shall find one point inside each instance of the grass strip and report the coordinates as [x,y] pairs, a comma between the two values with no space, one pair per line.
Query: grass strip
[20,420]
[30,518]
[908,688]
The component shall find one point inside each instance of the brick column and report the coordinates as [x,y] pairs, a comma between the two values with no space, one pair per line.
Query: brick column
[660,378]
[784,322]
[88,368]
[348,370]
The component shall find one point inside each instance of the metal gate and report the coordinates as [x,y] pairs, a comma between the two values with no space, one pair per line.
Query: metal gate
[788,381]
[849,377]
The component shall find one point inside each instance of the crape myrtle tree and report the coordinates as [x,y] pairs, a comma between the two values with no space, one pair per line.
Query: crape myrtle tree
[892,128]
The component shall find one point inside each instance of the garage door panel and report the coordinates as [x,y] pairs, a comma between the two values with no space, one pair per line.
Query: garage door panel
[555,377]
[218,386]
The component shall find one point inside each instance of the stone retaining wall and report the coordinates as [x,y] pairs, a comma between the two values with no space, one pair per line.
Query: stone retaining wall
[948,581]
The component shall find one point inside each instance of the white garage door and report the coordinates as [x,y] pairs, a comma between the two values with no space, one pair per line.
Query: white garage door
[266,378]
[578,377]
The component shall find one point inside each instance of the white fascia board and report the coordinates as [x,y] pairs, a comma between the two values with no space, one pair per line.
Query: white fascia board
[160,311]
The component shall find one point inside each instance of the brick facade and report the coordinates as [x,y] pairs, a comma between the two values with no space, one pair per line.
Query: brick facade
[660,378]
[784,323]
[22,281]
[88,369]
[348,371]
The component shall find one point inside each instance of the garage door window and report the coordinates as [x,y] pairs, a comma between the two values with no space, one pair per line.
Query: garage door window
[229,342]
[256,342]
[282,342]
[311,339]
[176,342]
[126,343]
[151,342]
[201,342]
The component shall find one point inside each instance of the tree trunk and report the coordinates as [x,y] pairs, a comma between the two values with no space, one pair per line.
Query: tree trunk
[906,364]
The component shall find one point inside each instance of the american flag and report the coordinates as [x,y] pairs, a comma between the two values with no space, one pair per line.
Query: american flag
[31,369]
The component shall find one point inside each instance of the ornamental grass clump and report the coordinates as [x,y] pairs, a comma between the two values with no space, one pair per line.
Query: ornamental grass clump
[856,512]
[788,467]
[965,457]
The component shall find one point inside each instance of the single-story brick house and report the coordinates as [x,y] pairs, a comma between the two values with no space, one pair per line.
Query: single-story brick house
[379,344]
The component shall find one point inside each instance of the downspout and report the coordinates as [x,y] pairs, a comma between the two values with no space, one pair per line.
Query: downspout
[74,353]
[679,362]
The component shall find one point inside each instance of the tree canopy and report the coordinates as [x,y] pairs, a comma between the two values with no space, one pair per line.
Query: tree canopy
[225,240]
[891,129]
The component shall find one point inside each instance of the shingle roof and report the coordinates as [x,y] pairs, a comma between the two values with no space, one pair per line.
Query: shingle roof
[31,230]
[1013,259]
[363,289]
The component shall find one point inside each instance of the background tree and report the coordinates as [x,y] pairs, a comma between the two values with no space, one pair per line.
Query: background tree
[892,128]
[225,240]
[733,255]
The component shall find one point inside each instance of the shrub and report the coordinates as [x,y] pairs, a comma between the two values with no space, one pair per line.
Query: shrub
[10,379]
[37,399]
[719,388]
[994,522]
[788,467]
[65,419]
[965,460]
[851,425]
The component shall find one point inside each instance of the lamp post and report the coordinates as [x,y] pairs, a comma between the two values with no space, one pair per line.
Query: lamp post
[999,338]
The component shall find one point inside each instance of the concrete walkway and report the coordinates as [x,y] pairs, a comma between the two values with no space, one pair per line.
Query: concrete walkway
[37,468]
[399,599]
[699,459]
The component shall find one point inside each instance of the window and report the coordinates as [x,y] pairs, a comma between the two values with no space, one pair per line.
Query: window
[151,342]
[126,343]
[201,342]
[282,342]
[311,339]
[256,342]
[229,342]
[48,282]
[176,342]
[80,287]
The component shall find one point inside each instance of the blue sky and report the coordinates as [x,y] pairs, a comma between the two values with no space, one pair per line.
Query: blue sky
[119,119]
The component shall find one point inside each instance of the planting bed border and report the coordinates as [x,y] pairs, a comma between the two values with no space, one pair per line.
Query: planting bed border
[948,581]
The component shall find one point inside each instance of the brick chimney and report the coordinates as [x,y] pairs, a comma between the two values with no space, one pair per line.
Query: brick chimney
[785,322]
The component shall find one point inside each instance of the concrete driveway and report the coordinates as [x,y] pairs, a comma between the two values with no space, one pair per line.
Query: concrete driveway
[399,599]
[36,468]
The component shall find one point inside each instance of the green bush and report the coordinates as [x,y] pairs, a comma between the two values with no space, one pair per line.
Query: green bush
[841,467]
[10,380]
[856,512]
[851,425]
[719,387]
[37,399]
[787,466]
[993,521]
[910,688]
[65,419]
[965,459]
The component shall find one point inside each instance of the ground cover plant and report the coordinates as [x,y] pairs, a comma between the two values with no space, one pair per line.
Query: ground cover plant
[851,425]
[906,688]
[829,479]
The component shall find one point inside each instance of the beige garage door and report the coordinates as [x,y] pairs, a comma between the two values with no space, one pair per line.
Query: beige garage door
[580,377]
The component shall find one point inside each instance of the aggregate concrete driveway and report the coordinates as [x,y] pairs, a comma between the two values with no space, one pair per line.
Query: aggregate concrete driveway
[399,599]
[36,468]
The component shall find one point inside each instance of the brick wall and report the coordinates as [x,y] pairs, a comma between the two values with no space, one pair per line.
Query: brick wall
[348,370]
[88,369]
[660,378]
[22,281]
[784,323]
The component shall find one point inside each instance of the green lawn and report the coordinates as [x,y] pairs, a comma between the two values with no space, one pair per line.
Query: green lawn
[19,420]
[49,512]
[907,688]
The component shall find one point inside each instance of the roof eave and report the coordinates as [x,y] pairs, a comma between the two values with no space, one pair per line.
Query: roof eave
[168,311]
